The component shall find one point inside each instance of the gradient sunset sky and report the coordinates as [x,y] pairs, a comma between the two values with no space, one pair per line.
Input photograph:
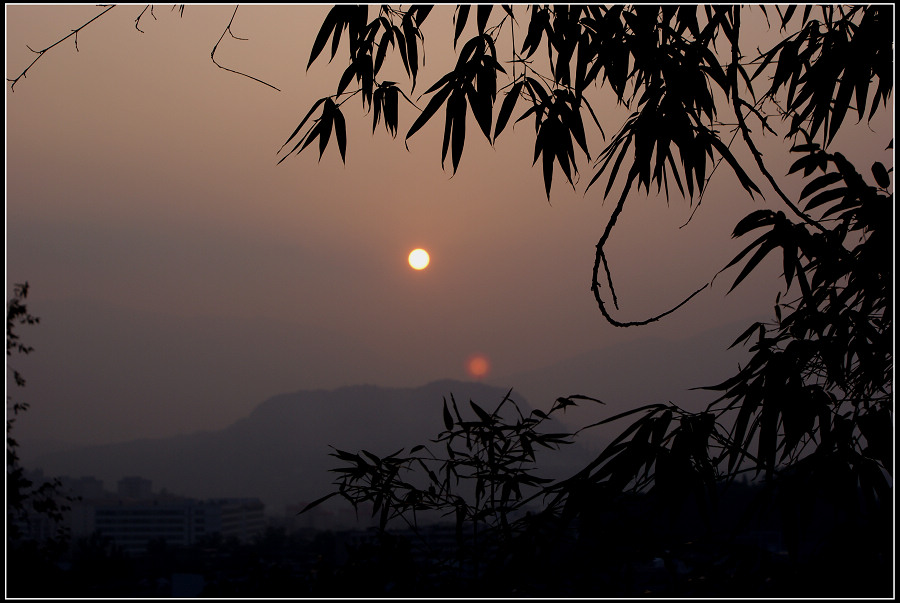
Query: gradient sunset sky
[182,277]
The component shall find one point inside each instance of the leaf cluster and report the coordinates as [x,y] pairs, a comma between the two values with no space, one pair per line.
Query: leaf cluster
[667,453]
[662,55]
[26,500]
[816,397]
[478,472]
[471,85]
[368,44]
[674,76]
[828,62]
[17,314]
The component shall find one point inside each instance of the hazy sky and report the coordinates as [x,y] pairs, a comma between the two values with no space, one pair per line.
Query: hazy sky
[182,277]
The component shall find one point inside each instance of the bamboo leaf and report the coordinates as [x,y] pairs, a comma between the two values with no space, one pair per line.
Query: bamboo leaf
[548,161]
[654,407]
[571,397]
[483,13]
[827,196]
[304,120]
[401,45]
[482,414]
[347,77]
[325,126]
[768,245]
[386,38]
[457,105]
[410,33]
[330,24]
[391,108]
[819,183]
[841,104]
[753,220]
[378,102]
[340,131]
[372,457]
[317,502]
[448,419]
[506,109]
[576,127]
[481,109]
[433,105]
[882,178]
[462,14]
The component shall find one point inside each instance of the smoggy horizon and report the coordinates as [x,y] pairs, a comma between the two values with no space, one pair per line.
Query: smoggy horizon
[182,276]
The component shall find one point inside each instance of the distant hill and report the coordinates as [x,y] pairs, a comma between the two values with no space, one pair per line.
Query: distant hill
[280,451]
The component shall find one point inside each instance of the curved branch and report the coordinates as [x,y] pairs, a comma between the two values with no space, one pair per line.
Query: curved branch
[609,280]
[212,55]
[634,323]
[600,258]
[40,53]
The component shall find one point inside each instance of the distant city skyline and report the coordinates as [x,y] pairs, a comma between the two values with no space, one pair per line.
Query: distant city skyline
[133,516]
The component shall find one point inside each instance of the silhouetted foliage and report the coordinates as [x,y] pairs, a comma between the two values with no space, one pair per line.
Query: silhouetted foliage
[35,534]
[811,414]
[478,472]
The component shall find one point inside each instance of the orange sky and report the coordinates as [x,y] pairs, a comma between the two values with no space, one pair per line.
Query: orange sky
[182,277]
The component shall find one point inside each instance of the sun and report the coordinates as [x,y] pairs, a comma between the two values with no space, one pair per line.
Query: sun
[418,259]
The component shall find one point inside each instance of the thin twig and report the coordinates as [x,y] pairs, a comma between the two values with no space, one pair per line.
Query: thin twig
[40,53]
[138,20]
[212,55]
[706,183]
[745,132]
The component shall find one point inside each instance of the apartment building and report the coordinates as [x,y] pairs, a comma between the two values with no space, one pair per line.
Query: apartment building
[133,524]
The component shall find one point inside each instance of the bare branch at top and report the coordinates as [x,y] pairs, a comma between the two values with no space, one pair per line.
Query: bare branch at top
[40,53]
[212,55]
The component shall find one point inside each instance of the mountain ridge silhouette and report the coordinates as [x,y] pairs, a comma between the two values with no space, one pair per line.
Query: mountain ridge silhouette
[280,451]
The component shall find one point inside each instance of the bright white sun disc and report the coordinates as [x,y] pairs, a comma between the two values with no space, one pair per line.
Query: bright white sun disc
[418,259]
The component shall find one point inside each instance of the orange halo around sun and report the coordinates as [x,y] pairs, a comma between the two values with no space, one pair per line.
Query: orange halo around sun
[419,259]
[478,365]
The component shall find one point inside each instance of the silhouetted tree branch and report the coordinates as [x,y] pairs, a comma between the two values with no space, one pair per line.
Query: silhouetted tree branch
[137,21]
[40,53]
[26,500]
[212,55]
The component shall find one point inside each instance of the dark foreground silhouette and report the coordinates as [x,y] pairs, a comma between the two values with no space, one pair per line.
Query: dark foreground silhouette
[628,548]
